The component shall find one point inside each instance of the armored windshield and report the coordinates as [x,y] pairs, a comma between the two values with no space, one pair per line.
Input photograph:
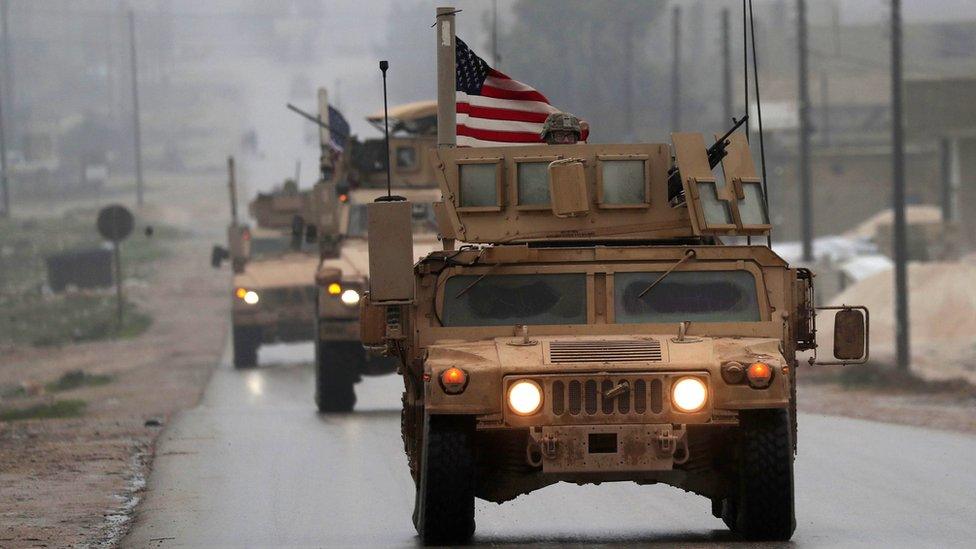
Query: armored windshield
[269,246]
[506,300]
[697,296]
[422,213]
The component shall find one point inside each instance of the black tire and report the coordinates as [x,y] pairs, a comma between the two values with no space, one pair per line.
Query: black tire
[444,506]
[336,371]
[247,339]
[762,508]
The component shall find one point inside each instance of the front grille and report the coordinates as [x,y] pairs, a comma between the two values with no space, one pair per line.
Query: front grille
[288,296]
[619,350]
[583,397]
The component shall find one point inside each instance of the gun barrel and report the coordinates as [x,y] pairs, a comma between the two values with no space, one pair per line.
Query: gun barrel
[717,151]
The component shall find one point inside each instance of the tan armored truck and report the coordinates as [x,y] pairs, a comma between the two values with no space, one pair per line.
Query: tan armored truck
[599,330]
[351,179]
[273,291]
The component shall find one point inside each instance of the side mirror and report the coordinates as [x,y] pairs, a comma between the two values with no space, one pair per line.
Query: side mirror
[851,335]
[297,231]
[311,234]
[217,256]
[567,188]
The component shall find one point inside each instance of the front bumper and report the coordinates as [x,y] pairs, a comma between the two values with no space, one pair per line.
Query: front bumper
[601,448]
[286,325]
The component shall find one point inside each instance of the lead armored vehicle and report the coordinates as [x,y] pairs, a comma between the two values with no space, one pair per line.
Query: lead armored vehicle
[602,328]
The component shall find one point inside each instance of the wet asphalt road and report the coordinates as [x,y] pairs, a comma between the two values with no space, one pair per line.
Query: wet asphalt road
[255,466]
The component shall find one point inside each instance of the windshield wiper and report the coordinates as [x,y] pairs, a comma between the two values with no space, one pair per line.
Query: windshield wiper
[690,254]
[477,280]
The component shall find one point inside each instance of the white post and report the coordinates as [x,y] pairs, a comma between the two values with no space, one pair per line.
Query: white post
[446,93]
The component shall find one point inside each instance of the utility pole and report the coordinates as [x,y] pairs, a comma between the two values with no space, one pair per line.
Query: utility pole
[496,58]
[8,73]
[726,68]
[825,105]
[806,203]
[903,358]
[676,69]
[946,160]
[4,181]
[628,79]
[135,107]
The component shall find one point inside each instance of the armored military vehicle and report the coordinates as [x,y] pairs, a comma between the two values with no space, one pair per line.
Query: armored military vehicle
[601,329]
[273,290]
[352,178]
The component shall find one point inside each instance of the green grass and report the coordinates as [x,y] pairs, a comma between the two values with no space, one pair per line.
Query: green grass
[62,319]
[29,315]
[56,409]
[75,379]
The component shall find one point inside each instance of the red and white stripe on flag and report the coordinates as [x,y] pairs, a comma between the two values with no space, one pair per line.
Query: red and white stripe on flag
[507,112]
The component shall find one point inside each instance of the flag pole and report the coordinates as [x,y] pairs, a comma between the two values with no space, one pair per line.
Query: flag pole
[446,94]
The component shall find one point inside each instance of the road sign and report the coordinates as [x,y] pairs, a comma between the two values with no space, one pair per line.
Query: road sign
[115,223]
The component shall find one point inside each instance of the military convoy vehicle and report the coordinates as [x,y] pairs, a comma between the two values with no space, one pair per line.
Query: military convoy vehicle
[598,329]
[273,291]
[352,178]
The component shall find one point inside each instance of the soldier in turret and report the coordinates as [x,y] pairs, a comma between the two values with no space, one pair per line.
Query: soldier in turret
[561,128]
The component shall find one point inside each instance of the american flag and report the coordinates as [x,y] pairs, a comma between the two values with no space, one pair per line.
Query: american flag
[493,109]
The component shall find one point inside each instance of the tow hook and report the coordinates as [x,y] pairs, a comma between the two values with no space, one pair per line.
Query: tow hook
[548,444]
[668,441]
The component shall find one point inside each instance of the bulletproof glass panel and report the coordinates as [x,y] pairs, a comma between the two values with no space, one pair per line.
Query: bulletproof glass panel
[478,185]
[406,157]
[269,246]
[533,183]
[507,300]
[716,211]
[624,182]
[751,208]
[696,296]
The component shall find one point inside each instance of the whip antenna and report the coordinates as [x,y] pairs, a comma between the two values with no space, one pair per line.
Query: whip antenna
[762,145]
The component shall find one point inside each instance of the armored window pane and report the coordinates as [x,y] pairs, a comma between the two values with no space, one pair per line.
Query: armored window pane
[507,300]
[406,157]
[696,296]
[716,211]
[479,186]
[751,208]
[624,182]
[266,247]
[533,183]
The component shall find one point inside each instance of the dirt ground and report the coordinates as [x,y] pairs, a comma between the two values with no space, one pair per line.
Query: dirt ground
[68,482]
[937,411]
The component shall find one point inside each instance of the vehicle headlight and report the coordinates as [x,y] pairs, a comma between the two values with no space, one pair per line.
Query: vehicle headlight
[350,297]
[689,394]
[249,296]
[525,397]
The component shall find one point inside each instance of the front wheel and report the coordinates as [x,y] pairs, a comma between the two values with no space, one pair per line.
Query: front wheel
[762,507]
[336,371]
[444,511]
[247,339]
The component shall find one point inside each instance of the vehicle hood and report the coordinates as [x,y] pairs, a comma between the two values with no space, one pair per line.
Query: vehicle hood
[353,260]
[288,270]
[594,353]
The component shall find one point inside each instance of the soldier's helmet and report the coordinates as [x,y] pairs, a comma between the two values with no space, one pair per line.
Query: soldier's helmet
[290,187]
[561,128]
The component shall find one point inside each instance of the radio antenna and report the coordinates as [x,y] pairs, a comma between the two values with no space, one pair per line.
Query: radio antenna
[762,145]
[384,65]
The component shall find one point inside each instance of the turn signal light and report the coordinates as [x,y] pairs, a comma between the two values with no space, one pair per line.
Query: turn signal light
[454,380]
[759,375]
[240,293]
[334,288]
